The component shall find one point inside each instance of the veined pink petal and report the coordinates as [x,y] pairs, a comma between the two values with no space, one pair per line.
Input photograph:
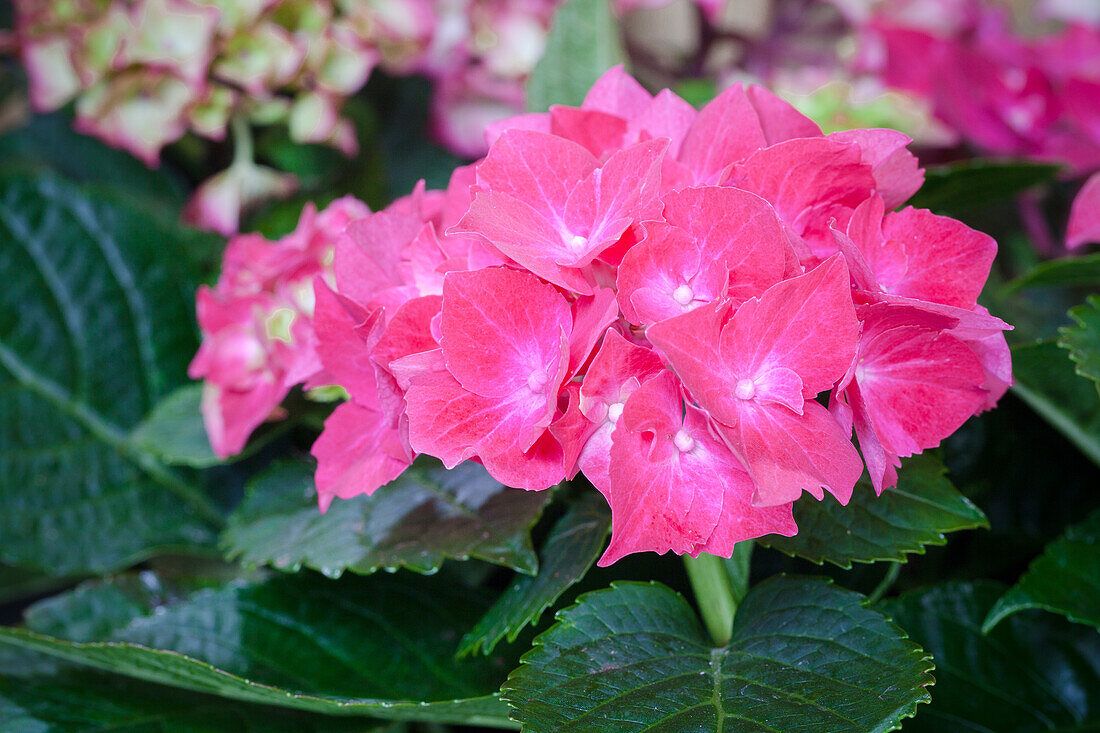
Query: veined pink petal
[598,132]
[545,203]
[451,423]
[617,93]
[668,475]
[913,386]
[409,331]
[341,325]
[786,453]
[716,243]
[809,181]
[896,171]
[591,317]
[734,125]
[358,451]
[504,330]
[535,469]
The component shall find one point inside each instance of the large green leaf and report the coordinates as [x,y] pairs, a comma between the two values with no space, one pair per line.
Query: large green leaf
[1065,579]
[1067,272]
[583,43]
[39,697]
[96,326]
[905,519]
[572,547]
[380,646]
[1033,673]
[1083,339]
[805,656]
[174,432]
[960,188]
[1047,382]
[49,141]
[426,515]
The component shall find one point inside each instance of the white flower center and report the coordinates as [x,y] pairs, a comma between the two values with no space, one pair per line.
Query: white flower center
[614,412]
[536,381]
[683,294]
[745,389]
[578,242]
[683,441]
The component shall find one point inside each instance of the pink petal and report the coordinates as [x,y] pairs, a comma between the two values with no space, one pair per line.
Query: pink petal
[808,181]
[358,451]
[786,453]
[896,171]
[617,93]
[717,243]
[668,475]
[453,424]
[598,132]
[1084,215]
[409,331]
[539,467]
[735,124]
[591,317]
[504,330]
[946,261]
[341,326]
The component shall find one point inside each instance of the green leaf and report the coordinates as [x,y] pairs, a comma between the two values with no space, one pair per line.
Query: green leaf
[1035,673]
[917,512]
[805,656]
[37,697]
[583,43]
[1083,340]
[961,188]
[50,141]
[174,432]
[380,646]
[426,515]
[1065,579]
[572,547]
[96,327]
[1046,381]
[1068,272]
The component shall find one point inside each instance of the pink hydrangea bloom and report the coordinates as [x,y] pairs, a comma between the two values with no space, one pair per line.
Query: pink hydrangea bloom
[1020,95]
[665,300]
[257,323]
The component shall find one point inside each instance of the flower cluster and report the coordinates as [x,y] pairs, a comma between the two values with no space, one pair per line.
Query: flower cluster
[144,72]
[258,339]
[695,309]
[1037,96]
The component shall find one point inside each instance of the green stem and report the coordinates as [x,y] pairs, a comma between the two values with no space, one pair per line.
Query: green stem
[242,141]
[713,594]
[886,583]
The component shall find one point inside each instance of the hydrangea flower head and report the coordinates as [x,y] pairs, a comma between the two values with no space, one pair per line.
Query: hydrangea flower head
[697,310]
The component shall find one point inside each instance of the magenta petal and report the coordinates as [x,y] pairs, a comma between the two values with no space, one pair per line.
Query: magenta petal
[231,415]
[1084,215]
[591,317]
[358,451]
[409,331]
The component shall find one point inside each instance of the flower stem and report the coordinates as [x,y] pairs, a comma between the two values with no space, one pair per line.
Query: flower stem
[713,594]
[242,140]
[886,583]
[737,567]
